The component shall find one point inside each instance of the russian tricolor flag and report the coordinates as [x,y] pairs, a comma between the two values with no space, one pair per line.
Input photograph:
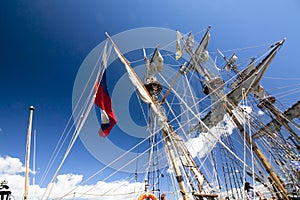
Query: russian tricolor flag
[103,105]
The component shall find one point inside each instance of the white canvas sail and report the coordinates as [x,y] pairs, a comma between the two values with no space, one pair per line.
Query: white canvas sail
[132,75]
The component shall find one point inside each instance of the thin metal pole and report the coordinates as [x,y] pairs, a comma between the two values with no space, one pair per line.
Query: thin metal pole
[34,157]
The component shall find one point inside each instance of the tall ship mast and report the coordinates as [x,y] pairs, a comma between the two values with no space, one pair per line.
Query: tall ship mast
[207,129]
[247,81]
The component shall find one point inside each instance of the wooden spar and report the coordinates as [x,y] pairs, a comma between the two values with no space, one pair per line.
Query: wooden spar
[169,90]
[31,109]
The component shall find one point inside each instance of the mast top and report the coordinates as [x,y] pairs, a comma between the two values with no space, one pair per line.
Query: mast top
[31,108]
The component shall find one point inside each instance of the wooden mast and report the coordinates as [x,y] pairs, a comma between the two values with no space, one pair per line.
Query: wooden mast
[31,109]
[175,165]
[155,105]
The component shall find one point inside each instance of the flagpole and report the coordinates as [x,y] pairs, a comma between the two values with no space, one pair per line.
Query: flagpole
[31,109]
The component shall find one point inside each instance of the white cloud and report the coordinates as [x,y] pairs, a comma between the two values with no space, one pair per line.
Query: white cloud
[9,165]
[11,169]
[101,190]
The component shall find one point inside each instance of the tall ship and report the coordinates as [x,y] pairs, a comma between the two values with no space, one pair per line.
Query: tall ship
[207,127]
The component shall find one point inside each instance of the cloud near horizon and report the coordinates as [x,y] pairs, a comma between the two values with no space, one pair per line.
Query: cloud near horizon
[12,170]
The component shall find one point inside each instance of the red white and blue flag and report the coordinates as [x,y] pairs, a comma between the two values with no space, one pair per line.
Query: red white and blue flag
[103,106]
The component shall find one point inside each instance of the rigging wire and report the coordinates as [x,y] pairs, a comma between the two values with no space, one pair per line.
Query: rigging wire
[61,141]
[117,171]
[76,134]
[197,117]
[85,110]
[196,108]
[115,160]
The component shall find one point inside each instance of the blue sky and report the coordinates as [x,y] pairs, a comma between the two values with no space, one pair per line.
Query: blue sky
[43,43]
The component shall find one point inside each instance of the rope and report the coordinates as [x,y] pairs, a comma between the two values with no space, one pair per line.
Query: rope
[175,119]
[203,124]
[114,161]
[76,134]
